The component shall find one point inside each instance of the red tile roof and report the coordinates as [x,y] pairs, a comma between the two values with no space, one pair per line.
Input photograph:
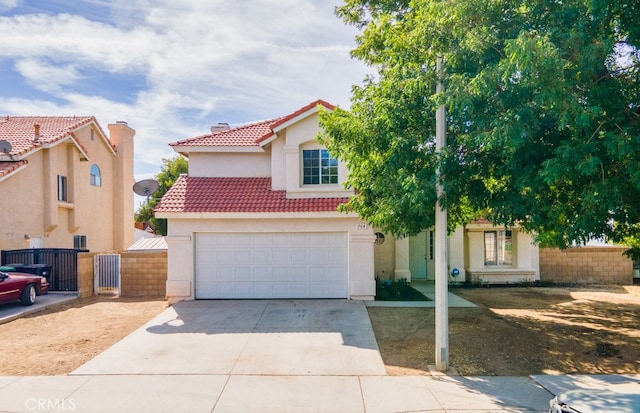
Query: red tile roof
[243,195]
[245,135]
[19,131]
[251,134]
[302,110]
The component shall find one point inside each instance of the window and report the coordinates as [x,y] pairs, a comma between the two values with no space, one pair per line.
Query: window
[319,168]
[80,242]
[94,177]
[431,246]
[498,248]
[62,188]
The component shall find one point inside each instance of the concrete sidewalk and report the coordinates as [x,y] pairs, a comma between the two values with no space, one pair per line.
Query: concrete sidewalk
[282,394]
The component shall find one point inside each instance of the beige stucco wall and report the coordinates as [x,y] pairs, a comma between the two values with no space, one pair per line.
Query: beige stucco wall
[384,260]
[180,240]
[104,214]
[601,265]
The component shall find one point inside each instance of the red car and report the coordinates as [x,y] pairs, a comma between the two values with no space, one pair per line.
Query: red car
[16,286]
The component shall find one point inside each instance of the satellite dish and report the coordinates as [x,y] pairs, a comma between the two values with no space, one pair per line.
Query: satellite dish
[146,187]
[5,147]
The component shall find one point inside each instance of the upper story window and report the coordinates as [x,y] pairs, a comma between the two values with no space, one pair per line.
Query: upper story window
[318,167]
[62,188]
[94,177]
[498,248]
[80,242]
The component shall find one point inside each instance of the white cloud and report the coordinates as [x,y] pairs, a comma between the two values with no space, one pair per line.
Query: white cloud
[45,77]
[202,62]
[6,5]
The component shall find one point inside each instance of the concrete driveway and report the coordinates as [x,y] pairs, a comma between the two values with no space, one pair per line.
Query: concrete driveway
[257,337]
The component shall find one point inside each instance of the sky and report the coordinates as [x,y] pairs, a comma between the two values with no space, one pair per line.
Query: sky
[173,68]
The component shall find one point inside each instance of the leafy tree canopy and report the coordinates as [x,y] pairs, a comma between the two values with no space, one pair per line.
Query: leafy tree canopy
[170,170]
[543,115]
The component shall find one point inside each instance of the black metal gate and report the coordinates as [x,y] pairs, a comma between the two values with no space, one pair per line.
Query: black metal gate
[63,275]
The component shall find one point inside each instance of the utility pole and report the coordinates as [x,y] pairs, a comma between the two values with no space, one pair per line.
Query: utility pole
[441,247]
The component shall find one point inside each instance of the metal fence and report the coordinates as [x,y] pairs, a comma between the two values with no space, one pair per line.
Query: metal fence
[106,274]
[63,262]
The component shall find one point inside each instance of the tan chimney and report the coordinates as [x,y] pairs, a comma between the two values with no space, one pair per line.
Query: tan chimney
[221,126]
[36,137]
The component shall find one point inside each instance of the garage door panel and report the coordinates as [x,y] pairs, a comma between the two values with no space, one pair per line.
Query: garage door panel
[271,265]
[263,274]
[280,257]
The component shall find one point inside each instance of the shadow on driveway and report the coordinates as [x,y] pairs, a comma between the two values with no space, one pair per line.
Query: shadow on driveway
[277,337]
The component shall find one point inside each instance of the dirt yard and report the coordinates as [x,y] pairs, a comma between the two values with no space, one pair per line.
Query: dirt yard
[520,331]
[60,339]
[512,332]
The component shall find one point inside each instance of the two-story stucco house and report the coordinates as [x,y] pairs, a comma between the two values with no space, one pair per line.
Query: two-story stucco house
[65,184]
[256,218]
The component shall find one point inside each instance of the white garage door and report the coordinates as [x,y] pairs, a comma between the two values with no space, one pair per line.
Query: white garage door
[271,265]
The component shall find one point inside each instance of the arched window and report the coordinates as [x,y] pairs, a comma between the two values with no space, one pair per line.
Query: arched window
[95,178]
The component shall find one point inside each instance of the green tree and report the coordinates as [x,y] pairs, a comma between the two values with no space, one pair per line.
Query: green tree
[171,169]
[543,115]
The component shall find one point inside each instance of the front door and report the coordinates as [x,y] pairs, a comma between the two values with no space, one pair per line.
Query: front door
[418,256]
[421,255]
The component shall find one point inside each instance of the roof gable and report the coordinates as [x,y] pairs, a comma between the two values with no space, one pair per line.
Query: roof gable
[254,134]
[29,133]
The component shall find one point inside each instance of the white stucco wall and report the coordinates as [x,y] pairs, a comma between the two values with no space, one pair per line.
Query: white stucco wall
[298,137]
[278,164]
[525,261]
[227,165]
[180,240]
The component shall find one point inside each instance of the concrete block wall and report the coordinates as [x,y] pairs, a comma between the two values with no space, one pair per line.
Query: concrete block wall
[586,265]
[85,274]
[143,274]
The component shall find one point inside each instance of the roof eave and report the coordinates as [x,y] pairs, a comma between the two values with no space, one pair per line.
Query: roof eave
[83,152]
[303,113]
[253,215]
[186,149]
[15,171]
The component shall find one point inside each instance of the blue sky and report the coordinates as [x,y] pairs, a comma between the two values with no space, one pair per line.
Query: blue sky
[173,68]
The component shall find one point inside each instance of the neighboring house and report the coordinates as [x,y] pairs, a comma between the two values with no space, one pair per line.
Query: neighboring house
[256,218]
[65,184]
[143,230]
[155,243]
